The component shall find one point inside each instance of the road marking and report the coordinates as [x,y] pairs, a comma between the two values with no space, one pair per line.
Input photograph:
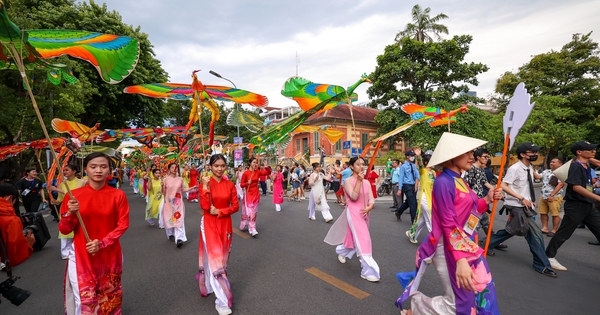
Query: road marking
[240,233]
[352,290]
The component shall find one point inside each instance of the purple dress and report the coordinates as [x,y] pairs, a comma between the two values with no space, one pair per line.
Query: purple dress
[453,203]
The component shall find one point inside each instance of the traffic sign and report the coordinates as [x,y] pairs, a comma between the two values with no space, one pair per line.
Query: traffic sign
[347,144]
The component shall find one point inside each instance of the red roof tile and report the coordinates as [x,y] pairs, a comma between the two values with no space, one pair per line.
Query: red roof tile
[365,114]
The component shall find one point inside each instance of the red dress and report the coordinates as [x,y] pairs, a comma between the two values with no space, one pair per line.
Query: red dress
[217,233]
[105,213]
[372,177]
[193,194]
[251,197]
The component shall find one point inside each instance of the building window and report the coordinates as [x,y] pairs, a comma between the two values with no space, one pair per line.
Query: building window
[392,142]
[317,143]
[305,147]
[297,145]
[364,139]
[338,146]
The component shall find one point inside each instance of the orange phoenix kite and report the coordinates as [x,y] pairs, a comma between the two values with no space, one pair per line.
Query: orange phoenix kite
[201,95]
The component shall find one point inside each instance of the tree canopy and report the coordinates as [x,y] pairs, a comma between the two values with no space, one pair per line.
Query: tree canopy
[566,89]
[90,100]
[429,74]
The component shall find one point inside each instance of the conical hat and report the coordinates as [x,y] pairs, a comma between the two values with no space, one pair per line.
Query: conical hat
[563,172]
[452,145]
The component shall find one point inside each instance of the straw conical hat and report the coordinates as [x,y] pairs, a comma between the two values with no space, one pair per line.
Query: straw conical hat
[452,145]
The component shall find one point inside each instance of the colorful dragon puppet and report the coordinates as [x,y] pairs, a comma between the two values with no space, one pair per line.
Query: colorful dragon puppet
[201,96]
[313,98]
[114,57]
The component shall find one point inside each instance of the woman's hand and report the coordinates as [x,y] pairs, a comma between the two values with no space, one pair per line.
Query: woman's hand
[214,210]
[93,246]
[360,177]
[206,180]
[464,275]
[365,211]
[73,206]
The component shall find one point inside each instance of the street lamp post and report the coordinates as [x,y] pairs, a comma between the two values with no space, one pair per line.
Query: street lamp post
[236,104]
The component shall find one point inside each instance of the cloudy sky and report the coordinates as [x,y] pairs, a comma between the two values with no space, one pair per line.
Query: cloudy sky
[254,43]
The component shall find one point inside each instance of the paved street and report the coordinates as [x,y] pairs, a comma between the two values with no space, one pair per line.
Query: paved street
[288,269]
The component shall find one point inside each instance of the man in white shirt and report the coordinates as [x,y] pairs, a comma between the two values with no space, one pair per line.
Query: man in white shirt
[520,203]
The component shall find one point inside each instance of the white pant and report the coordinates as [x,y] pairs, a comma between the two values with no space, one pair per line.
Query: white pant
[72,298]
[438,305]
[66,244]
[178,232]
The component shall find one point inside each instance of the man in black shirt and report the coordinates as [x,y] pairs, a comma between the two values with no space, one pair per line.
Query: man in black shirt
[579,199]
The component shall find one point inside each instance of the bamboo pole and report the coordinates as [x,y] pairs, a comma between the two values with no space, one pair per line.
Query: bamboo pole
[19,62]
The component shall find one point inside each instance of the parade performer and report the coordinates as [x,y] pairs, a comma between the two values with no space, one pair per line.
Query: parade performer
[141,181]
[251,195]
[218,200]
[173,211]
[155,198]
[238,181]
[277,179]
[69,171]
[318,199]
[465,275]
[135,175]
[92,282]
[186,177]
[351,230]
[194,174]
[373,178]
[427,175]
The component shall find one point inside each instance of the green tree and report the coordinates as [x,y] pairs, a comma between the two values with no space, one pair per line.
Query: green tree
[566,89]
[429,74]
[88,101]
[423,25]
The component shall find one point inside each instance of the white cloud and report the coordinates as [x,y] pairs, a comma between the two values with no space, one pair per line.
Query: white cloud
[254,43]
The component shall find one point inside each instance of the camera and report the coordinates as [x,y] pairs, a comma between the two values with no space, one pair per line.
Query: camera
[33,228]
[13,294]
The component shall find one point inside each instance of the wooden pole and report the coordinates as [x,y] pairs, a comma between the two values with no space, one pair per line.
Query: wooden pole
[19,62]
[500,174]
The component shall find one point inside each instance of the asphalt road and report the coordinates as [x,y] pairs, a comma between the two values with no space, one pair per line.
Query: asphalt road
[283,270]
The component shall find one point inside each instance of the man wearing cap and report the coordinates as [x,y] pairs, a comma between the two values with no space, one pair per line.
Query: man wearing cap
[520,203]
[408,184]
[579,201]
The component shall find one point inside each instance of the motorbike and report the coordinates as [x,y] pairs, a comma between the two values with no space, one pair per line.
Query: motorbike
[385,187]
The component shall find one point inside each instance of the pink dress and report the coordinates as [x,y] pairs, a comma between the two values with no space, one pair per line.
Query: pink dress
[278,189]
[173,209]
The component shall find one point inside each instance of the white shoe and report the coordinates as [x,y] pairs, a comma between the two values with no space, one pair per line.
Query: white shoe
[253,233]
[411,238]
[328,220]
[223,310]
[312,218]
[556,265]
[370,278]
[342,259]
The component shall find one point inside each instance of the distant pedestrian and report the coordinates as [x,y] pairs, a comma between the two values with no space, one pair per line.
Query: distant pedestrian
[551,198]
[317,199]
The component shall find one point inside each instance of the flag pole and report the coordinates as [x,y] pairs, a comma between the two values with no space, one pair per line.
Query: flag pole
[500,174]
